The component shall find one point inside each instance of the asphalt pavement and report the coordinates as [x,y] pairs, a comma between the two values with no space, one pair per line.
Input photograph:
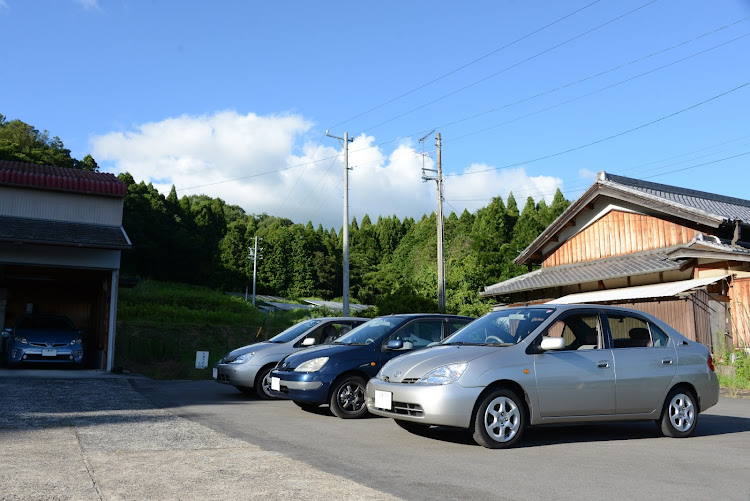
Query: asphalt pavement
[88,435]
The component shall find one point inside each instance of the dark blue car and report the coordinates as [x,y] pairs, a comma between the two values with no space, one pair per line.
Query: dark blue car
[337,374]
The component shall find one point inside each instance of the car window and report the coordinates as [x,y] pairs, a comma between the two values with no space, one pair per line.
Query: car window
[454,325]
[294,331]
[501,327]
[658,336]
[630,332]
[327,333]
[581,332]
[371,331]
[45,323]
[420,333]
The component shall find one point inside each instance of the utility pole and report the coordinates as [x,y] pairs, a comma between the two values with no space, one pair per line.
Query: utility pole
[440,257]
[254,256]
[345,140]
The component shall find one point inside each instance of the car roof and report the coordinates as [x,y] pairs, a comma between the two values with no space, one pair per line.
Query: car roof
[427,315]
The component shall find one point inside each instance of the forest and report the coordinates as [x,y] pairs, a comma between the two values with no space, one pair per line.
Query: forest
[202,240]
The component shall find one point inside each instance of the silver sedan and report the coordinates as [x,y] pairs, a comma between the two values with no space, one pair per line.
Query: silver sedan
[543,364]
[247,368]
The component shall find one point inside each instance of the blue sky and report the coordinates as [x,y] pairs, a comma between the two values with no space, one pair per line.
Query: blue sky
[232,99]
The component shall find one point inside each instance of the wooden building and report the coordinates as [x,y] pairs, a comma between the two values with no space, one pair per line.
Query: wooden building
[676,253]
[61,236]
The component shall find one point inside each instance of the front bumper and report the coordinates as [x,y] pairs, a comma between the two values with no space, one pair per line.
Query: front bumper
[71,354]
[311,387]
[237,374]
[443,405]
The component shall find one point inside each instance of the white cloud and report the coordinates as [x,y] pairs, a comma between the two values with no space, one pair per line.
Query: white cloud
[88,4]
[229,155]
[587,175]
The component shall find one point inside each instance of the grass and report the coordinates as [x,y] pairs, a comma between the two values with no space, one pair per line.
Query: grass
[161,325]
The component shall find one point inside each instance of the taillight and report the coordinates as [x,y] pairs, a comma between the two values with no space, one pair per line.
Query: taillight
[711,363]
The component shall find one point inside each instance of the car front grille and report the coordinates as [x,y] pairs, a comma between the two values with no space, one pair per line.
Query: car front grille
[44,345]
[222,377]
[405,409]
[410,380]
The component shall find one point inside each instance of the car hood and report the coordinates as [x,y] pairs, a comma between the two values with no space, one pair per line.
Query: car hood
[325,350]
[416,364]
[246,349]
[47,336]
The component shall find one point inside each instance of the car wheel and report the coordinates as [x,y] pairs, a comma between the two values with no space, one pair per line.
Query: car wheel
[410,426]
[263,383]
[680,414]
[308,406]
[348,398]
[500,420]
[245,389]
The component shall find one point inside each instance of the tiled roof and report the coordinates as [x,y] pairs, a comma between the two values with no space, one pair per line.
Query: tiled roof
[729,208]
[47,177]
[40,231]
[590,271]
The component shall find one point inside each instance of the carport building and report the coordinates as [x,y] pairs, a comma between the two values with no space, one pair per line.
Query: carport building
[61,237]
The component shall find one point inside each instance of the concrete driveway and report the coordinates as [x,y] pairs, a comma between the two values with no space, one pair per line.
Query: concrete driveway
[89,436]
[92,435]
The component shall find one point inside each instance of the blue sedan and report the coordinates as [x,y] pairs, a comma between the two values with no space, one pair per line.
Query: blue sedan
[337,374]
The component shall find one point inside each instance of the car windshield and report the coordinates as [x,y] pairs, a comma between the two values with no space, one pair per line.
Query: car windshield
[372,331]
[294,331]
[502,327]
[45,324]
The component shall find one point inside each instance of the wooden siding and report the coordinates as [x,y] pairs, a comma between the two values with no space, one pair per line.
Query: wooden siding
[618,233]
[739,296]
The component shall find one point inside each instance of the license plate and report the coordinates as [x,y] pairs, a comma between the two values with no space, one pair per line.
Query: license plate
[275,384]
[48,352]
[216,372]
[383,399]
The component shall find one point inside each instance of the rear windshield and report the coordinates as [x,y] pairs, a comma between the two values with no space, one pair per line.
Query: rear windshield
[294,331]
[45,324]
[372,331]
[503,327]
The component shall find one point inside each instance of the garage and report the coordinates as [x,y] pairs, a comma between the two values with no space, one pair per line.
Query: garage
[61,239]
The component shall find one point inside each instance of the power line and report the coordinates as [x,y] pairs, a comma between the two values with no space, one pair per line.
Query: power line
[552,155]
[507,68]
[538,30]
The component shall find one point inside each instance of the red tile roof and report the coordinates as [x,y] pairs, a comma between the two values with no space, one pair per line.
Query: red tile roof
[46,177]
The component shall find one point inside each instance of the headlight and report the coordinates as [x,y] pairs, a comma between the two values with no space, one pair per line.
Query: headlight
[445,374]
[19,339]
[313,365]
[243,358]
[76,341]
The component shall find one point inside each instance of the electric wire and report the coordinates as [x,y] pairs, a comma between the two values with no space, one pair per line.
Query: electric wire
[464,66]
[613,136]
[507,68]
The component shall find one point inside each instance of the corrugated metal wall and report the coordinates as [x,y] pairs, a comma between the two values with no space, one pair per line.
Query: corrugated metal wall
[58,206]
[690,315]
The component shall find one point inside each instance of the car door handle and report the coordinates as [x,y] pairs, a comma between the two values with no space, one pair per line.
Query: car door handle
[666,361]
[603,364]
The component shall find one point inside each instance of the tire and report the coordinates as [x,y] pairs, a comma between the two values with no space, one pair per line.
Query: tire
[411,427]
[308,406]
[348,398]
[680,414]
[263,383]
[500,420]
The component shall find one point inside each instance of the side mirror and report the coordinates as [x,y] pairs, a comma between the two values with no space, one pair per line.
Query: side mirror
[6,332]
[308,341]
[552,343]
[395,344]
